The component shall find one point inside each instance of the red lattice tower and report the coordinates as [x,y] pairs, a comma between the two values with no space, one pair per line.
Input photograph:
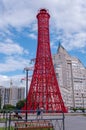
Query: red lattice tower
[44,90]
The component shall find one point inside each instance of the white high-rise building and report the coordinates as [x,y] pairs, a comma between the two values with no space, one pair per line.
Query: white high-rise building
[16,94]
[1,96]
[71,76]
[11,95]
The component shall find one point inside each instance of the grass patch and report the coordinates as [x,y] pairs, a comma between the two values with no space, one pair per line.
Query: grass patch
[2,119]
[3,128]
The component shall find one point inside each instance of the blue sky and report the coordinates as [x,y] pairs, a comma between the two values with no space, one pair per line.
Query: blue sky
[18,33]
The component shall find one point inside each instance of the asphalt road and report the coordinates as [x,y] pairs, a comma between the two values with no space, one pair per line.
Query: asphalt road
[75,122]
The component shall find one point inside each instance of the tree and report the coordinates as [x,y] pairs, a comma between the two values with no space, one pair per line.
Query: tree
[8,107]
[20,104]
[0,102]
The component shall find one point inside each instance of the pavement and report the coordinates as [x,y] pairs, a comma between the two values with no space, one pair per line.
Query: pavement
[77,122]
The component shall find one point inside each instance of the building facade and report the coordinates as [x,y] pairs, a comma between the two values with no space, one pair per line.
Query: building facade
[11,95]
[1,96]
[71,76]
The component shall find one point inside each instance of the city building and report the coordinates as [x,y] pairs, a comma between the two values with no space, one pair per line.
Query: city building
[16,94]
[1,96]
[11,95]
[71,76]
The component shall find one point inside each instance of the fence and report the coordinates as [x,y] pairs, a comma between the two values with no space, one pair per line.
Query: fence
[50,120]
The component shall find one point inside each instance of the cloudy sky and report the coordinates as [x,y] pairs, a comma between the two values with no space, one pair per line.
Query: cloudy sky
[18,33]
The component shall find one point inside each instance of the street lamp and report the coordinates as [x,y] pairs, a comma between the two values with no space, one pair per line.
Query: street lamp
[83,101]
[26,69]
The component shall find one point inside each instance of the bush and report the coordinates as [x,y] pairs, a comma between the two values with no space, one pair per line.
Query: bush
[8,107]
[20,104]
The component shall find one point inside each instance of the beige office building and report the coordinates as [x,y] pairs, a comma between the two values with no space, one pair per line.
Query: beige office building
[71,76]
[11,95]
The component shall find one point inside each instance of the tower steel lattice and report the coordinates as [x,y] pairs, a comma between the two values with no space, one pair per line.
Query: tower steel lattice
[44,89]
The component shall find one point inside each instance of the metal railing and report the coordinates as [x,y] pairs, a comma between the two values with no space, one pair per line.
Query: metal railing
[15,120]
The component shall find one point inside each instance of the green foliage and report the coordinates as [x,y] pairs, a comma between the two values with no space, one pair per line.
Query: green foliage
[77,109]
[20,104]
[0,102]
[74,109]
[8,107]
[3,128]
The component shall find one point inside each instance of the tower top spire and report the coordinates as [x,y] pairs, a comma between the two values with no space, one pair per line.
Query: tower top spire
[43,11]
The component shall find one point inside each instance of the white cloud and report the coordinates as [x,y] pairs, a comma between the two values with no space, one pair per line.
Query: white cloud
[70,15]
[13,64]
[13,58]
[74,41]
[67,15]
[3,78]
[64,13]
[8,47]
[33,36]
[16,14]
[16,81]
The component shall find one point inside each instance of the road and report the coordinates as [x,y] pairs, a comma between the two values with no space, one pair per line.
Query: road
[75,122]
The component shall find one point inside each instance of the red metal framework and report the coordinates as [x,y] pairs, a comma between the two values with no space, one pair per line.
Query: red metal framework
[44,90]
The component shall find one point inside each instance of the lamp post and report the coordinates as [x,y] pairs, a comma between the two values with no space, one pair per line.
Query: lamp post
[26,69]
[83,101]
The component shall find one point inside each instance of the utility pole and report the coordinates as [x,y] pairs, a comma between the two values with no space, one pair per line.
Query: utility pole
[26,69]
